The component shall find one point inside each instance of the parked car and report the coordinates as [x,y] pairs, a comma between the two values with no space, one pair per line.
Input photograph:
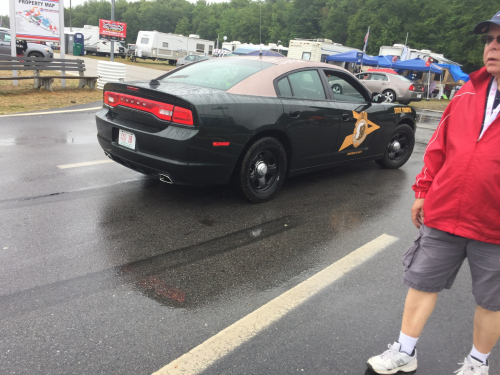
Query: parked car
[34,49]
[189,59]
[393,86]
[250,121]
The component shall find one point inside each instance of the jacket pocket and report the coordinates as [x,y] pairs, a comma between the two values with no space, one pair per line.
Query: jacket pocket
[410,253]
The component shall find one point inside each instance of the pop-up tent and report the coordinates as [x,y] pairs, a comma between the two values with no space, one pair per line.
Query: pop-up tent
[352,57]
[456,72]
[418,65]
[384,61]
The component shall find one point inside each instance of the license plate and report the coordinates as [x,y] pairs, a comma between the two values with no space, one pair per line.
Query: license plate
[126,139]
[419,95]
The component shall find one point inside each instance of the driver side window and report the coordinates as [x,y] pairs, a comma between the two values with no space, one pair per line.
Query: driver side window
[342,89]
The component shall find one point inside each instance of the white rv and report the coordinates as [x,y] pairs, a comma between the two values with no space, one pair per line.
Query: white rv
[315,49]
[171,47]
[412,53]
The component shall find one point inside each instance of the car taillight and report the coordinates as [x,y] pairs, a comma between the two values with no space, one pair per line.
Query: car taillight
[422,88]
[161,110]
[411,88]
[182,116]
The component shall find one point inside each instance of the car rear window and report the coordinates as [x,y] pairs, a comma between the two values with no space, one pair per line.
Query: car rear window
[217,73]
[403,78]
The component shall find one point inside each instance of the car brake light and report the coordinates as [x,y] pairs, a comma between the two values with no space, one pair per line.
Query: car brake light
[161,110]
[411,88]
[422,88]
[182,116]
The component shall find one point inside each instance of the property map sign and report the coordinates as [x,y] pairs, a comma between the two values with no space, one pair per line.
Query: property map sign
[112,30]
[37,20]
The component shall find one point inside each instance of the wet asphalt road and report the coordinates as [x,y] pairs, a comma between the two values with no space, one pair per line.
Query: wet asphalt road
[106,271]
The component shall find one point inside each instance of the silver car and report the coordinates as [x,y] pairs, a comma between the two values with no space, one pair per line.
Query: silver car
[189,59]
[393,86]
[34,49]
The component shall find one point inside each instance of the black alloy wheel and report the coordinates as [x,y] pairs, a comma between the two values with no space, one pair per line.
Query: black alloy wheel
[336,88]
[399,149]
[390,96]
[262,170]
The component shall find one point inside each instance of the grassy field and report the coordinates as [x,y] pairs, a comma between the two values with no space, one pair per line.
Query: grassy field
[433,104]
[25,98]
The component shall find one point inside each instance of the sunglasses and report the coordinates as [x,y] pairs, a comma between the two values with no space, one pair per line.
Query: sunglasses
[487,39]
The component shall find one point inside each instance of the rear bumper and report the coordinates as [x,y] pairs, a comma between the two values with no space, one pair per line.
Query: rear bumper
[179,165]
[414,96]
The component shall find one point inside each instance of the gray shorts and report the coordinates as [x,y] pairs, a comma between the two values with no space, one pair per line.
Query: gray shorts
[432,263]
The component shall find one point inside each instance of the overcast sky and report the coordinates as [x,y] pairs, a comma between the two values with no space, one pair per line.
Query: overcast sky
[4,4]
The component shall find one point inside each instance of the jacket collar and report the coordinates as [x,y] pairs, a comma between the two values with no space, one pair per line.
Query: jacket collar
[480,80]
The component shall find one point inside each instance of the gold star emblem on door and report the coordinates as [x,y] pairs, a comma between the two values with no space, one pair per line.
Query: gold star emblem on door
[362,128]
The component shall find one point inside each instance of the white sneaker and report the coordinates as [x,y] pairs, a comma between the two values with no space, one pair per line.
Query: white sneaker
[472,366]
[391,361]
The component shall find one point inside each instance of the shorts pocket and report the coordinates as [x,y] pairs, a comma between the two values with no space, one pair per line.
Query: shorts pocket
[410,253]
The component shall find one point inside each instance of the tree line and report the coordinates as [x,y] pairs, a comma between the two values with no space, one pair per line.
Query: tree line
[443,26]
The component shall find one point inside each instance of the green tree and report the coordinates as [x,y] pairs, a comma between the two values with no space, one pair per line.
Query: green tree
[183,26]
[5,22]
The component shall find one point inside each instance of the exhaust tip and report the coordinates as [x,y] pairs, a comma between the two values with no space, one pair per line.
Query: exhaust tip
[108,155]
[165,178]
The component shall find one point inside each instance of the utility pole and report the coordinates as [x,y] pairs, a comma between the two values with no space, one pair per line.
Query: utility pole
[70,28]
[112,54]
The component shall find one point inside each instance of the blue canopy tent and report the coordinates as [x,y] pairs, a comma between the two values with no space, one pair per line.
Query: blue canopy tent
[417,65]
[352,56]
[456,72]
[384,61]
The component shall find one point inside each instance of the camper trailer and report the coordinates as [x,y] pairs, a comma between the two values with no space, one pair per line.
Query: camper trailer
[315,49]
[171,47]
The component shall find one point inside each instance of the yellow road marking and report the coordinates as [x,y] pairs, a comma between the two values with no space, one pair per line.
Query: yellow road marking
[65,166]
[50,113]
[216,347]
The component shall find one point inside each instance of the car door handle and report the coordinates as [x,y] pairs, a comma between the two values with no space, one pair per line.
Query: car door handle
[294,114]
[345,116]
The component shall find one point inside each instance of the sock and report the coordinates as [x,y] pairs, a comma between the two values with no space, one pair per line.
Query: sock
[479,356]
[407,343]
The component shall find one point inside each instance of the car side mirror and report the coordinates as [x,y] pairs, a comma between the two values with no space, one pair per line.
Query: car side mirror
[378,97]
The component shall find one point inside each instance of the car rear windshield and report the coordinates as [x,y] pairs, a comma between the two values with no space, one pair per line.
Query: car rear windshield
[220,73]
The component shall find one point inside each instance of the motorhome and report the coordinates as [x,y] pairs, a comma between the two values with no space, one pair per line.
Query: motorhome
[413,53]
[315,49]
[171,47]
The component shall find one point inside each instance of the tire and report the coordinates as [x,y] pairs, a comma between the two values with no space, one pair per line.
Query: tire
[35,54]
[390,96]
[262,170]
[396,156]
[336,88]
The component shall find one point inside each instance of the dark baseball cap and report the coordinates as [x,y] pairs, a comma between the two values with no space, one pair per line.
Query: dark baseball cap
[482,27]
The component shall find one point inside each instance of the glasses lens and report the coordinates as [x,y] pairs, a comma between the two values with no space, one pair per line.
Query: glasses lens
[487,39]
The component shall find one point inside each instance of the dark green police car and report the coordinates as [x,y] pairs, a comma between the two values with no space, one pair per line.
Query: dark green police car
[252,121]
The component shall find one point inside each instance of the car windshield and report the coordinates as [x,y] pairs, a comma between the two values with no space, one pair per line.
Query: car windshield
[403,79]
[217,73]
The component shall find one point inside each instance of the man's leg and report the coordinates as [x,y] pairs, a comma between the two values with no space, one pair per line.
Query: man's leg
[486,329]
[418,308]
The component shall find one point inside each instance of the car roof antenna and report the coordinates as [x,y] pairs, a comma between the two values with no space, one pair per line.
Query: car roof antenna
[154,83]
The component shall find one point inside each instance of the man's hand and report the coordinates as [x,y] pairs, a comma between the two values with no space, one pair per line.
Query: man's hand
[417,212]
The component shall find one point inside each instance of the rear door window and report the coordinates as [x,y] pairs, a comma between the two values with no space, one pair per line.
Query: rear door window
[284,88]
[307,85]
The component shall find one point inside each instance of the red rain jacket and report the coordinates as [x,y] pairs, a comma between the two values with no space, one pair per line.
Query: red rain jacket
[460,180]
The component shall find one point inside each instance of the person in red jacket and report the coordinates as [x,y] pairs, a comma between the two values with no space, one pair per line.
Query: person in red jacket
[459,192]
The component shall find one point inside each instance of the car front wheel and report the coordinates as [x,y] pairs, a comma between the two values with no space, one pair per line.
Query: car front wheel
[35,54]
[262,170]
[399,148]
